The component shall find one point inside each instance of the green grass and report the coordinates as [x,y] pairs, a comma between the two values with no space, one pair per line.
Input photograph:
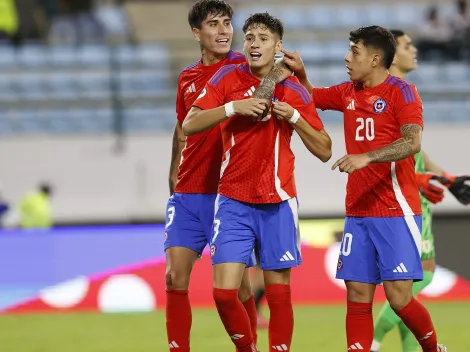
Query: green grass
[318,328]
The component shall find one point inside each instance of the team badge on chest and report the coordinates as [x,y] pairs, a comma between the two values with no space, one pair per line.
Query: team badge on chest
[379,106]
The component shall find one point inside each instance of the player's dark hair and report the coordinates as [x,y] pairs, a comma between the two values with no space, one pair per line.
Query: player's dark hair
[397,33]
[272,23]
[378,38]
[205,8]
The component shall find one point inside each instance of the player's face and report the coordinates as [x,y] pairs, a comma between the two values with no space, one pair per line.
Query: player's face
[406,55]
[260,46]
[215,35]
[360,61]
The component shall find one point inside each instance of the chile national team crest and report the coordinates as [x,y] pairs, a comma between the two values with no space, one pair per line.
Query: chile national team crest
[379,106]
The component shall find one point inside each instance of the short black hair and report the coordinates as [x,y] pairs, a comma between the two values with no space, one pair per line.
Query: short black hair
[46,188]
[272,23]
[204,8]
[397,33]
[378,38]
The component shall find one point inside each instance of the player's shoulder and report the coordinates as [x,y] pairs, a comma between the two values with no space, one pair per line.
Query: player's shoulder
[190,68]
[235,57]
[402,90]
[293,86]
[224,73]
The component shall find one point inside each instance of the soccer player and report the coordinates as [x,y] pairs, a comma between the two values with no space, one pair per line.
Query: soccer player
[404,62]
[382,240]
[193,185]
[257,204]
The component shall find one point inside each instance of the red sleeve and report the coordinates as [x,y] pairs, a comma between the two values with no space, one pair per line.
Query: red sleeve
[298,97]
[330,98]
[181,111]
[409,107]
[213,94]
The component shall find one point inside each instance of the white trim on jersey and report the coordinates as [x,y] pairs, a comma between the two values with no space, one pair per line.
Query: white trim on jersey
[227,158]
[277,182]
[405,207]
[295,214]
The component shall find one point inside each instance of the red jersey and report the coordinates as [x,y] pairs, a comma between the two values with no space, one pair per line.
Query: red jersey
[258,163]
[372,119]
[201,157]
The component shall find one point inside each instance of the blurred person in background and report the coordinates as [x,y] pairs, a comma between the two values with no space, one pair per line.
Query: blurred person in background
[35,208]
[427,171]
[9,22]
[460,22]
[435,35]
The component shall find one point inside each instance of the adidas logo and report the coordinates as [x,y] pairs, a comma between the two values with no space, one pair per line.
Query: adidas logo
[281,348]
[173,345]
[236,337]
[427,336]
[250,92]
[191,89]
[351,106]
[400,269]
[356,346]
[286,257]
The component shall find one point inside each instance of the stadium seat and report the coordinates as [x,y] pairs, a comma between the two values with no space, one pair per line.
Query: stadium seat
[7,90]
[63,56]
[94,85]
[31,86]
[8,58]
[94,56]
[63,85]
[27,121]
[33,56]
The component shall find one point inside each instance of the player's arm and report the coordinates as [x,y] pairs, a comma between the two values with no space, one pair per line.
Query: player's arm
[179,139]
[325,98]
[318,142]
[176,149]
[409,144]
[277,74]
[299,110]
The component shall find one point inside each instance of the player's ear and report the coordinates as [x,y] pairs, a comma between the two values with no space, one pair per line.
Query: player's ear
[376,60]
[197,34]
[278,46]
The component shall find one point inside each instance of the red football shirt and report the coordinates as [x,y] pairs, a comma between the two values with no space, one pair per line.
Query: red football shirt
[201,157]
[372,119]
[258,163]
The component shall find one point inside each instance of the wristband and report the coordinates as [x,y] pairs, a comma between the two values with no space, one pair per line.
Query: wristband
[295,117]
[229,109]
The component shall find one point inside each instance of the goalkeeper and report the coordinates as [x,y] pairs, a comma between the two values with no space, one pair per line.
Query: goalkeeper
[426,170]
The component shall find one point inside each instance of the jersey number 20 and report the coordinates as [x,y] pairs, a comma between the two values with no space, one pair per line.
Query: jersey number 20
[365,130]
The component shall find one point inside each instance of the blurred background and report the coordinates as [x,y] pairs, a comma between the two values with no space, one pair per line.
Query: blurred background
[87,111]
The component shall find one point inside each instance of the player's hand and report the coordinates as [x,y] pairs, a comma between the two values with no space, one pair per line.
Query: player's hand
[431,192]
[283,111]
[352,162]
[250,107]
[295,63]
[459,186]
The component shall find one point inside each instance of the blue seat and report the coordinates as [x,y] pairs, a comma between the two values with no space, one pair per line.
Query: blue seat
[32,86]
[94,55]
[63,56]
[33,56]
[27,121]
[63,85]
[8,58]
[94,85]
[153,56]
[7,87]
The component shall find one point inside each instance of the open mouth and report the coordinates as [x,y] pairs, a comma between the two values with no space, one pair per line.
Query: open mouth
[222,41]
[348,69]
[255,56]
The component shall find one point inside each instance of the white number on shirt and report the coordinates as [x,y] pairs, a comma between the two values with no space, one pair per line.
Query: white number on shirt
[171,215]
[365,129]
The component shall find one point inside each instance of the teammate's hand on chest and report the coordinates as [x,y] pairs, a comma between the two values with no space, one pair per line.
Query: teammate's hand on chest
[283,111]
[352,162]
[250,107]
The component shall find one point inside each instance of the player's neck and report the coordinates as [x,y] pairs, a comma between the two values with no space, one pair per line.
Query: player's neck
[211,58]
[397,73]
[375,79]
[261,72]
